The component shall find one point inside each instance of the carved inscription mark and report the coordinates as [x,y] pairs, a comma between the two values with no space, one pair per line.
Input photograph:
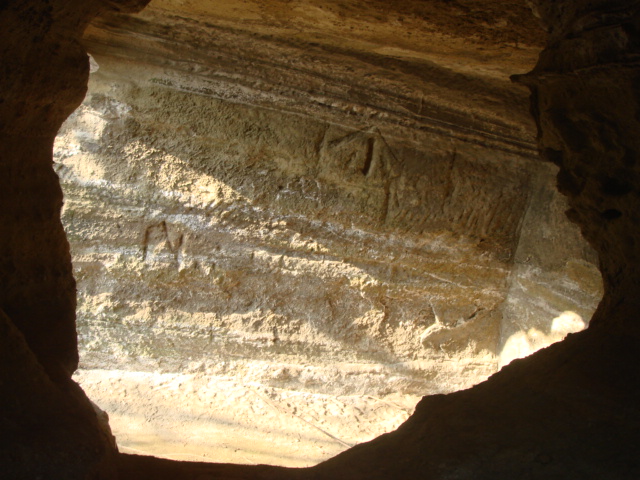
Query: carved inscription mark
[157,239]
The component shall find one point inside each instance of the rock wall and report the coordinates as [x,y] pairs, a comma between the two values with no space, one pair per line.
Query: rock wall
[237,220]
[48,426]
[554,283]
[597,162]
[569,410]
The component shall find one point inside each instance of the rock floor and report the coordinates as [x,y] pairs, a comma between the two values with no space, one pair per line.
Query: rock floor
[202,417]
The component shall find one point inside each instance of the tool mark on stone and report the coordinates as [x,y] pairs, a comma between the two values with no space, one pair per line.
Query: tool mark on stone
[390,187]
[421,109]
[368,156]
[450,185]
[321,144]
[378,157]
[160,231]
[285,412]
[346,139]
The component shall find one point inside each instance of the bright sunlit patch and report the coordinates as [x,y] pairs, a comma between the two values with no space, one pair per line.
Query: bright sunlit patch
[523,344]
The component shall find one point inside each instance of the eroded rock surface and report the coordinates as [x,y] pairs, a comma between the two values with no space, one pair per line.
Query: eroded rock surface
[47,426]
[349,215]
[336,211]
[570,410]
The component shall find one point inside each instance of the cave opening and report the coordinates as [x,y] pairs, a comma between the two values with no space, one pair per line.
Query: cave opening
[569,410]
[255,248]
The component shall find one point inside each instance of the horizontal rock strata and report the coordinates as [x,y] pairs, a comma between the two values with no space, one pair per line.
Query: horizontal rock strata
[309,215]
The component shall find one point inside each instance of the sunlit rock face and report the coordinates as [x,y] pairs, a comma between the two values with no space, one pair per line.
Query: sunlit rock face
[315,199]
[569,410]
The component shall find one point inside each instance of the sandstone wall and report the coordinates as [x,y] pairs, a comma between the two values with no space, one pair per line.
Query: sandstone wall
[225,216]
[571,410]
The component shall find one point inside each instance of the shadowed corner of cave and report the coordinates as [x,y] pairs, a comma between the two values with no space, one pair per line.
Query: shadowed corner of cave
[353,176]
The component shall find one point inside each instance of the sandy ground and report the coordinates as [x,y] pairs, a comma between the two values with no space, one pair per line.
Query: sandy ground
[219,419]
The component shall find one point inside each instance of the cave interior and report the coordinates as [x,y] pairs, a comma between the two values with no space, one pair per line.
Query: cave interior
[416,149]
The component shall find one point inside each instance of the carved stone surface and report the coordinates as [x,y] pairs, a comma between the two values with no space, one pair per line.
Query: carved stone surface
[570,410]
[224,205]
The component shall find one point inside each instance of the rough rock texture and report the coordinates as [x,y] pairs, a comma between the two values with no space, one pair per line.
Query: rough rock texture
[570,410]
[225,243]
[576,414]
[337,217]
[48,430]
[48,426]
[589,129]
